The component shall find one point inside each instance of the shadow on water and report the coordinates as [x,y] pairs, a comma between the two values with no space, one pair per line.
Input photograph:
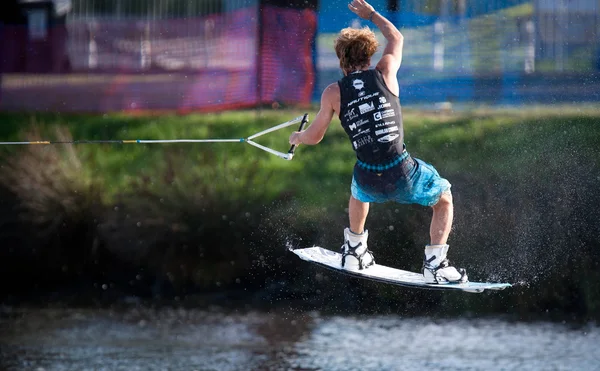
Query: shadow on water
[180,339]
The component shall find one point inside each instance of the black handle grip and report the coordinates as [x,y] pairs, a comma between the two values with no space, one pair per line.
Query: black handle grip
[304,121]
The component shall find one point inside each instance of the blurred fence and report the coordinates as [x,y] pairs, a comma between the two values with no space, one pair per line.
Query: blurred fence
[494,51]
[115,55]
[208,55]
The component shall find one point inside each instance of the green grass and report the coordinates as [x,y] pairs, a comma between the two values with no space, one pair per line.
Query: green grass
[487,140]
[116,166]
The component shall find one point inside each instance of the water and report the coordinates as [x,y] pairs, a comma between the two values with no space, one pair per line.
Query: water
[172,339]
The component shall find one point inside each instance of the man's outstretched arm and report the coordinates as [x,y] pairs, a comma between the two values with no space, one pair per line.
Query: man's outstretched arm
[315,132]
[392,54]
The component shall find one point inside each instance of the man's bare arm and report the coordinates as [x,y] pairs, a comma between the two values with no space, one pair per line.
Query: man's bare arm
[316,131]
[392,54]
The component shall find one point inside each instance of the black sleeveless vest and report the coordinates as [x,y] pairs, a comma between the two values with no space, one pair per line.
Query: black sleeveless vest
[371,116]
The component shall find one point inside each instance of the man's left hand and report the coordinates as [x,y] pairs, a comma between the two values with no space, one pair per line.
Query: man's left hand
[361,8]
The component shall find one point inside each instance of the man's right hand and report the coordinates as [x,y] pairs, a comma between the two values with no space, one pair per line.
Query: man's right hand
[361,8]
[295,138]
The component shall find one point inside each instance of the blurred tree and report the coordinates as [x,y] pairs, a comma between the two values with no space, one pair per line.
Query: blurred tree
[10,12]
[393,5]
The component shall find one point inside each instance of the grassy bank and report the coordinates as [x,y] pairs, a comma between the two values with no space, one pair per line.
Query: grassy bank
[177,219]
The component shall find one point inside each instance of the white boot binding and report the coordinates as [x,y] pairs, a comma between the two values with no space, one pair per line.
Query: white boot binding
[437,268]
[355,246]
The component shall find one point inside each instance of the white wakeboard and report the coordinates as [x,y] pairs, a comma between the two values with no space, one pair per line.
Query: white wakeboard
[377,272]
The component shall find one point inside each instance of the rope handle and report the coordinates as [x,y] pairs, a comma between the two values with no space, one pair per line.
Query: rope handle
[302,123]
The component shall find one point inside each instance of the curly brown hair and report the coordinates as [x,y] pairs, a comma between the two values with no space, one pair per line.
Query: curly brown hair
[354,47]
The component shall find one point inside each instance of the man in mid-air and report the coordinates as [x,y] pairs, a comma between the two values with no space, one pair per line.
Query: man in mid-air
[367,103]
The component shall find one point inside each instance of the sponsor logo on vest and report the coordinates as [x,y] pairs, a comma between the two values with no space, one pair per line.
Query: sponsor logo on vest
[384,105]
[388,113]
[386,130]
[356,124]
[385,123]
[351,114]
[360,132]
[362,98]
[388,138]
[358,84]
[377,116]
[361,142]
[382,100]
[366,107]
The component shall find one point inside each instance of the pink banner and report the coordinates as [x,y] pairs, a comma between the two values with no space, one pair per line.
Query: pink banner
[287,54]
[194,64]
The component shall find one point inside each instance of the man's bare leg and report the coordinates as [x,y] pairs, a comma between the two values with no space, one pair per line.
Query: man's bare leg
[357,212]
[435,270]
[441,221]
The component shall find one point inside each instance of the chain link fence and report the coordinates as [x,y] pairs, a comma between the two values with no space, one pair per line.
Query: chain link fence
[99,55]
[496,51]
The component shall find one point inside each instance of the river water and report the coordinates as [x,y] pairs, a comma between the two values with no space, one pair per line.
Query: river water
[179,339]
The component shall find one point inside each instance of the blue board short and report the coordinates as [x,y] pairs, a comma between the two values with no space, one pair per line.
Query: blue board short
[405,180]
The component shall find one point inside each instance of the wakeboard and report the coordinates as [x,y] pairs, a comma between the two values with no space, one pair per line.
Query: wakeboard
[333,260]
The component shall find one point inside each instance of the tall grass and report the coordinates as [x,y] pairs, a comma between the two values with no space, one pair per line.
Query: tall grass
[54,209]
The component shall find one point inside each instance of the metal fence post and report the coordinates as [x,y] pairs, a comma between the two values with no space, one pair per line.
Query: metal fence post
[92,60]
[530,47]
